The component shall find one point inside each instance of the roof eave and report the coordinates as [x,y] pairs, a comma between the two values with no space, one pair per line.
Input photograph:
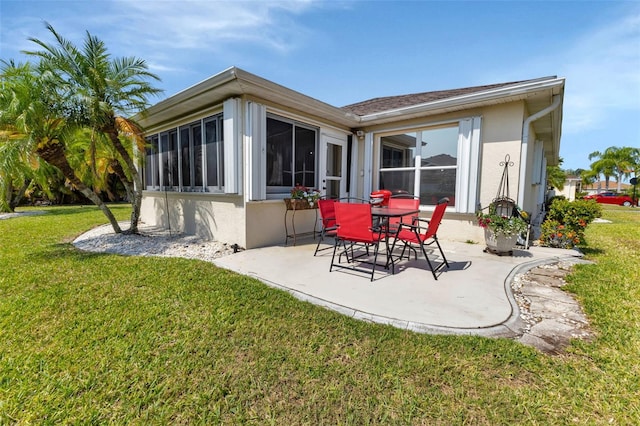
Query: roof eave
[490,97]
[237,82]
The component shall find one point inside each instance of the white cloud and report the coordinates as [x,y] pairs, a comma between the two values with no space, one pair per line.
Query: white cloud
[208,26]
[603,76]
[163,31]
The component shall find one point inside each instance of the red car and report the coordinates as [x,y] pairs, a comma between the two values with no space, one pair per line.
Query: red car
[611,198]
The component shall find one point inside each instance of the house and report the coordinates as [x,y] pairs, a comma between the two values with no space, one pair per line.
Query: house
[224,153]
[572,186]
[602,186]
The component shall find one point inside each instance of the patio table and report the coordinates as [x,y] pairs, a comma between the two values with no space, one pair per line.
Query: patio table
[383,214]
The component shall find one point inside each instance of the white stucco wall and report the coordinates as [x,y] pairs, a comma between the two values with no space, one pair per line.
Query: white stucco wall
[225,218]
[501,135]
[214,217]
[266,223]
[569,190]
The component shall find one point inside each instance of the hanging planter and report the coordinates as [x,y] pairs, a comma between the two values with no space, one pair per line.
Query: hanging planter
[505,221]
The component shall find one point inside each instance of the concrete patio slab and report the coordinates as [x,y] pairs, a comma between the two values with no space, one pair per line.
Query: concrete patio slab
[472,297]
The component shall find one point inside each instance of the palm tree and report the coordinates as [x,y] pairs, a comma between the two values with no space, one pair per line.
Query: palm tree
[556,177]
[103,92]
[97,164]
[615,161]
[33,123]
[14,174]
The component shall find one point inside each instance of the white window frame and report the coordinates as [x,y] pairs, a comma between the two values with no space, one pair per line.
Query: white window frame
[468,160]
[157,166]
[279,192]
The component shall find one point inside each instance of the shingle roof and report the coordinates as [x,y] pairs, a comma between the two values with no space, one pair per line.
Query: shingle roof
[387,103]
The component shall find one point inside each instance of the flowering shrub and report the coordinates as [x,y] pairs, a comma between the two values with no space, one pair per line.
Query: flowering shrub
[300,192]
[566,222]
[503,225]
[554,234]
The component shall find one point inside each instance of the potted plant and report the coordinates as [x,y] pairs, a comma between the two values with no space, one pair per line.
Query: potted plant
[302,197]
[501,230]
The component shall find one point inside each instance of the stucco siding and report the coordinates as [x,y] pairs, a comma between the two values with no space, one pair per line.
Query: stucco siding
[266,223]
[501,135]
[213,217]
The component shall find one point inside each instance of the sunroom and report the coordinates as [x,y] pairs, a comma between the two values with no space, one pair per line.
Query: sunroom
[223,154]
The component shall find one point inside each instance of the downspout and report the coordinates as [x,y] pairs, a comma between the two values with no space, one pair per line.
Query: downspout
[525,142]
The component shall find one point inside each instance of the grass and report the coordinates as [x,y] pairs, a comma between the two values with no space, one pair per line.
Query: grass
[99,338]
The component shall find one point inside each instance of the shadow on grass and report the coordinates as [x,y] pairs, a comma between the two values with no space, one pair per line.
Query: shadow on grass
[592,251]
[78,208]
[65,252]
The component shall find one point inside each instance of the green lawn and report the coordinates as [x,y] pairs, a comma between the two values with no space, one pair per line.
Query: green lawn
[96,338]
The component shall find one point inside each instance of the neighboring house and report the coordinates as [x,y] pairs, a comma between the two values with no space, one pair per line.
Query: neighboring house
[601,186]
[225,152]
[572,186]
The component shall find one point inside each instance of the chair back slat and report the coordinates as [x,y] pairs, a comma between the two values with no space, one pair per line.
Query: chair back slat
[436,218]
[327,212]
[403,203]
[354,222]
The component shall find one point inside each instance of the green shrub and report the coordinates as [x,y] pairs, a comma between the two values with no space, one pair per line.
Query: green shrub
[566,222]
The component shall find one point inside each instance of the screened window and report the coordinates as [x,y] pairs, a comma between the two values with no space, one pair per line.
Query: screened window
[422,162]
[151,171]
[214,147]
[169,157]
[291,155]
[188,158]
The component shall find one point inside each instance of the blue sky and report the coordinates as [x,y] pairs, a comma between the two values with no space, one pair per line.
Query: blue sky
[342,52]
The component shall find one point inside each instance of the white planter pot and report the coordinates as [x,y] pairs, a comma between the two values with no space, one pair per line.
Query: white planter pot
[500,244]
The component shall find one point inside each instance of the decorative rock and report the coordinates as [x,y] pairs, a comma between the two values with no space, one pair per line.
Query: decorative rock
[552,316]
[151,242]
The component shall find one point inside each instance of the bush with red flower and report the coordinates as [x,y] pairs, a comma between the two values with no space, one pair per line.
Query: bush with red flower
[566,222]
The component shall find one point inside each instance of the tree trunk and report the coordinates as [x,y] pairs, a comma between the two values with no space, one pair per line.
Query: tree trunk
[15,201]
[53,153]
[122,176]
[7,205]
[136,202]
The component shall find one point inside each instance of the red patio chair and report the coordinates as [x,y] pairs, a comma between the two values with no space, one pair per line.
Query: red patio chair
[402,201]
[354,226]
[420,236]
[328,218]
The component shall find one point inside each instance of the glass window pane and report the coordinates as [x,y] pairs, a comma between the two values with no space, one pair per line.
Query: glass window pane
[196,135]
[211,141]
[398,150]
[398,180]
[151,163]
[305,165]
[332,189]
[279,153]
[173,158]
[185,157]
[439,147]
[437,183]
[334,160]
[164,156]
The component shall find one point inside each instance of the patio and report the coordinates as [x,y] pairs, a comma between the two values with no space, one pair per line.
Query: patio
[473,296]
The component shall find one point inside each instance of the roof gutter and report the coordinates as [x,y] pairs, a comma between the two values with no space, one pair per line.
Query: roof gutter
[517,91]
[526,133]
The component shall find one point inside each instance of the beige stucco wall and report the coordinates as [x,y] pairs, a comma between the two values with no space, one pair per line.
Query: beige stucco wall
[266,223]
[213,217]
[569,190]
[501,135]
[226,218]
